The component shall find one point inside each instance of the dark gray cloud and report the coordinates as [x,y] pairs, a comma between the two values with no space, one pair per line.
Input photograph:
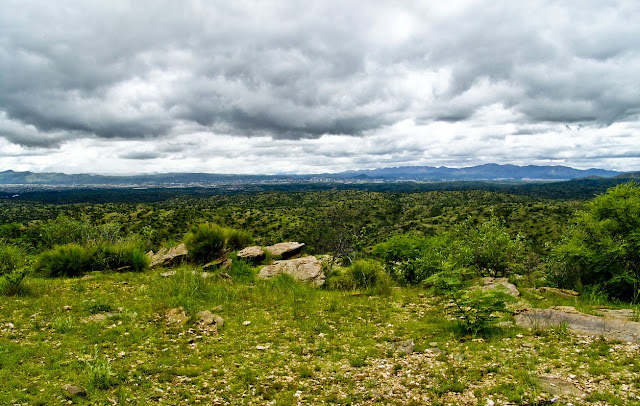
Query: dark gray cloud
[157,70]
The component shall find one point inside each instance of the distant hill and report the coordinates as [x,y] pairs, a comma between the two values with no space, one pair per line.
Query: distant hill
[482,172]
[488,172]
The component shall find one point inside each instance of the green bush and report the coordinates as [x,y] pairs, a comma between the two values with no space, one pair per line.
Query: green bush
[238,239]
[12,268]
[11,258]
[65,260]
[206,242]
[488,248]
[474,309]
[411,260]
[602,248]
[119,257]
[362,274]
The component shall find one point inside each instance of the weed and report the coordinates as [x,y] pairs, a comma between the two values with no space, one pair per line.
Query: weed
[99,373]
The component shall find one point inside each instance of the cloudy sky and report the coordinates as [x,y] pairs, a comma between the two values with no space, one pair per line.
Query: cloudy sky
[267,86]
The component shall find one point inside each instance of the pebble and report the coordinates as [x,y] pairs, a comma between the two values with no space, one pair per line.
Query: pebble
[246,323]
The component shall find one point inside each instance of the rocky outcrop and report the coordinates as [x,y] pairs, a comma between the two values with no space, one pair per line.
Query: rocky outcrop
[559,292]
[305,269]
[489,283]
[580,323]
[285,250]
[168,256]
[253,254]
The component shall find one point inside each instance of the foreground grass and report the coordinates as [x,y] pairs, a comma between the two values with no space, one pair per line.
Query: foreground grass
[108,333]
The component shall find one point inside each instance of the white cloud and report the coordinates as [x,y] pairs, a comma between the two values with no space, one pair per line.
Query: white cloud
[253,87]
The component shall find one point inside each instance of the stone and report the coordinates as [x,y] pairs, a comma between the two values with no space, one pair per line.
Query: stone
[246,323]
[285,250]
[559,292]
[558,387]
[253,254]
[168,274]
[217,263]
[176,316]
[69,391]
[209,322]
[405,347]
[489,283]
[168,256]
[305,269]
[580,323]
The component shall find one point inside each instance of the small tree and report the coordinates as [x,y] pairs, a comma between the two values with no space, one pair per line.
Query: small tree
[487,248]
[602,247]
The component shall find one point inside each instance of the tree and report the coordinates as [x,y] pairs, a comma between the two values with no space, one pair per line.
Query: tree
[602,247]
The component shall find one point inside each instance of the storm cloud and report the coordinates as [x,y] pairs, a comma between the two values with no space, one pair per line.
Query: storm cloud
[460,82]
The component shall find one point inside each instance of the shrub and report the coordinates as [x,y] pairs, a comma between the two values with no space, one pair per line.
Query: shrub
[65,260]
[12,268]
[205,242]
[602,248]
[120,257]
[238,239]
[411,260]
[362,274]
[487,248]
[475,310]
[11,258]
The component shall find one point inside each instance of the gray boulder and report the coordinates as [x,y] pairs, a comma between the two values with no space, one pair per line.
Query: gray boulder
[253,254]
[489,283]
[305,269]
[168,256]
[285,250]
[580,323]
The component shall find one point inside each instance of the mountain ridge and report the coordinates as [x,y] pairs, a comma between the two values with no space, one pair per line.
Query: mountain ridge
[488,172]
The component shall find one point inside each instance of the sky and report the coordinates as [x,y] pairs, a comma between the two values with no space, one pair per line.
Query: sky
[244,86]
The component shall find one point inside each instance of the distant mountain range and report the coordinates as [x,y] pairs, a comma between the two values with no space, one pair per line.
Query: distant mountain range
[488,172]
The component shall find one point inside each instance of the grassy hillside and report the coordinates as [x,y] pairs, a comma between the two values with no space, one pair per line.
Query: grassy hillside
[109,334]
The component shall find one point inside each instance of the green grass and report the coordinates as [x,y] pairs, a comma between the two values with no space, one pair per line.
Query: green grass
[314,346]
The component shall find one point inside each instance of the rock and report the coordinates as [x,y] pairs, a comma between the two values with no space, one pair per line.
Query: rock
[221,262]
[157,393]
[209,321]
[176,316]
[489,283]
[558,387]
[622,314]
[285,250]
[253,254]
[167,274]
[246,323]
[405,347]
[306,269]
[580,323]
[560,292]
[69,391]
[168,256]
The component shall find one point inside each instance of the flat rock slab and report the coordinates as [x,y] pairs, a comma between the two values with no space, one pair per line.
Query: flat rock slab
[168,256]
[580,323]
[489,283]
[254,254]
[558,387]
[559,292]
[305,269]
[285,250]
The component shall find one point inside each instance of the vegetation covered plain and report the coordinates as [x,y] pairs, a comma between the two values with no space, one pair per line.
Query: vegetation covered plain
[400,320]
